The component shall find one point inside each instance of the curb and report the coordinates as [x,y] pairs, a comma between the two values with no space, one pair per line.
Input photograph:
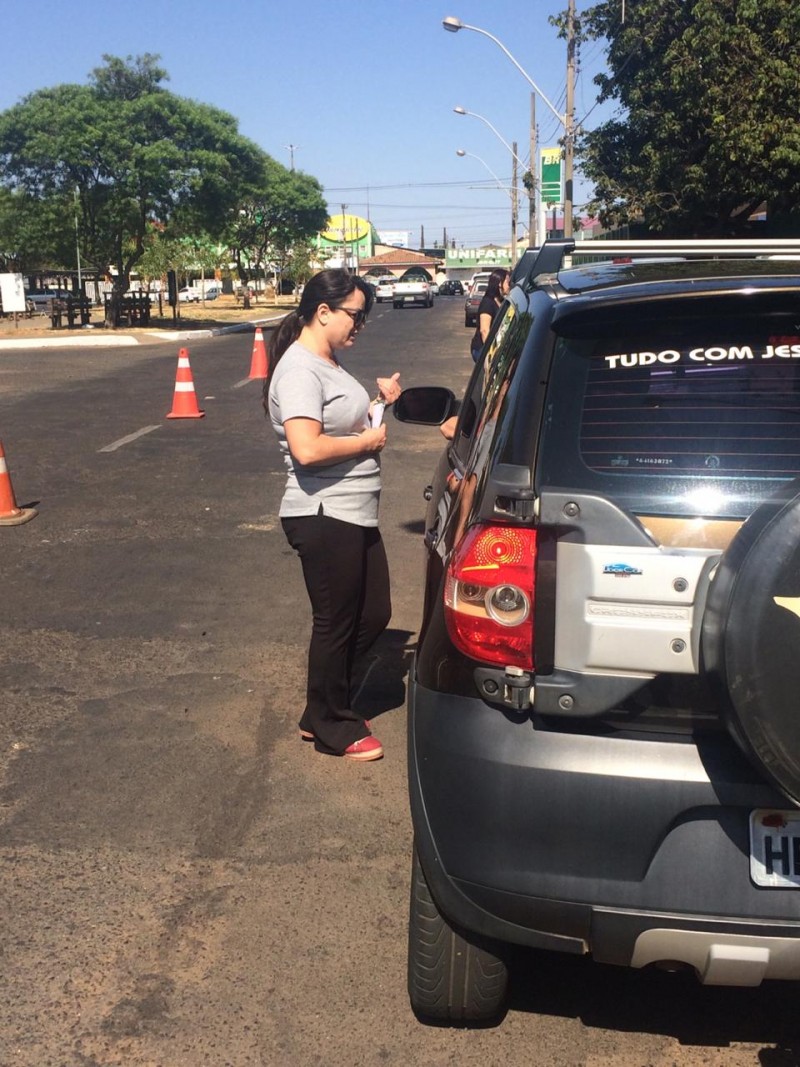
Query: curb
[92,341]
[118,340]
[217,331]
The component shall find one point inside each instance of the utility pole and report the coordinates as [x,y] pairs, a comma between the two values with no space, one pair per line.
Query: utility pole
[569,121]
[344,238]
[532,228]
[514,204]
[421,237]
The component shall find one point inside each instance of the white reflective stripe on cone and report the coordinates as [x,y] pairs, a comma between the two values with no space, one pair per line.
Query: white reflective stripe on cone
[184,387]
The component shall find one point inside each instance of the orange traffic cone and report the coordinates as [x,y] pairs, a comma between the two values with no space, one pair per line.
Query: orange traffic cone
[258,363]
[10,514]
[184,401]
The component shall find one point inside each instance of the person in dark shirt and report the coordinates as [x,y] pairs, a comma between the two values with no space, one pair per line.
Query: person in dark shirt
[496,289]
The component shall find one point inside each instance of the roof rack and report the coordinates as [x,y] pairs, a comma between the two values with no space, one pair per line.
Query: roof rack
[557,254]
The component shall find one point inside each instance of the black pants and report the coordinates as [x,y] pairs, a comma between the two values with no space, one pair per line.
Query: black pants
[347,578]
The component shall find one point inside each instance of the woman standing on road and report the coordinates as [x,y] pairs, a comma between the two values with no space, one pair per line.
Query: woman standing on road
[496,289]
[329,511]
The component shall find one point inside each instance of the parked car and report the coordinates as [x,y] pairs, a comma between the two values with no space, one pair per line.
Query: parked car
[603,739]
[384,288]
[451,288]
[478,276]
[41,299]
[193,294]
[473,302]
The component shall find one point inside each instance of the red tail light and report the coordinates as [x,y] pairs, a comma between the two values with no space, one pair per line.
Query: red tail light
[488,598]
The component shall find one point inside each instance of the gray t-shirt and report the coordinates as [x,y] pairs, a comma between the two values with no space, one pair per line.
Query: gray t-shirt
[308,387]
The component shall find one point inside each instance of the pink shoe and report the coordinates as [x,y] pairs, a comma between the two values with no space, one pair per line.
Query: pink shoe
[367,748]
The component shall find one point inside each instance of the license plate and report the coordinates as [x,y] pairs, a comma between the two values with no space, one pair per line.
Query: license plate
[775,848]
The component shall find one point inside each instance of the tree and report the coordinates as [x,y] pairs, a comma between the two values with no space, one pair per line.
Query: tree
[161,254]
[709,95]
[134,152]
[34,235]
[300,263]
[288,209]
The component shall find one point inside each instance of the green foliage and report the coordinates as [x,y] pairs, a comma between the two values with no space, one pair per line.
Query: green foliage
[129,78]
[288,209]
[135,153]
[34,234]
[161,254]
[707,127]
[299,263]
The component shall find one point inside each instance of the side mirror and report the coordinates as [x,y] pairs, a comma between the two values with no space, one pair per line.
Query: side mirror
[428,405]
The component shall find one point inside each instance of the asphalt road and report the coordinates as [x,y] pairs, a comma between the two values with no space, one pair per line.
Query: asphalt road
[184,882]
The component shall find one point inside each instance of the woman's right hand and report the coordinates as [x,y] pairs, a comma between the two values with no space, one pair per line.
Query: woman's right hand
[373,440]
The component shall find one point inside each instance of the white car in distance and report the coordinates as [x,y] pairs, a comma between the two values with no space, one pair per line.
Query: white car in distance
[384,289]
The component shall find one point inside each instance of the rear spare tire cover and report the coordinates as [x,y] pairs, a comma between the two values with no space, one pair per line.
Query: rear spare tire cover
[751,637]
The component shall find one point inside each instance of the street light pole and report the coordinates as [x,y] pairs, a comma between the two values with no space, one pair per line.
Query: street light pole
[453,25]
[532,226]
[515,161]
[569,118]
[514,206]
[291,148]
[78,242]
[463,111]
[511,192]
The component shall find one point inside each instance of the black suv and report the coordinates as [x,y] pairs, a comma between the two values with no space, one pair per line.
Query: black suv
[604,709]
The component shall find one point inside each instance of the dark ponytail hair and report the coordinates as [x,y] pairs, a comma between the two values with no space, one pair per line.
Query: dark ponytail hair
[494,286]
[330,287]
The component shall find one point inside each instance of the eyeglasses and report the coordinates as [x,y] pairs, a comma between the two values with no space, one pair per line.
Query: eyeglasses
[359,317]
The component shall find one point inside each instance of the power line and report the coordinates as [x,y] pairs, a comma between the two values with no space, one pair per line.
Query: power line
[432,207]
[403,185]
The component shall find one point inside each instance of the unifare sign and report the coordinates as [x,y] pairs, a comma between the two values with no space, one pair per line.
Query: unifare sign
[468,257]
[550,163]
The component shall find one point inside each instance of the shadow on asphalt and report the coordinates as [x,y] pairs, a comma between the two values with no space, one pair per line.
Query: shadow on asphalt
[654,1002]
[382,686]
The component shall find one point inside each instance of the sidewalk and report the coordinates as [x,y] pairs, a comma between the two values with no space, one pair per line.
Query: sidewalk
[38,333]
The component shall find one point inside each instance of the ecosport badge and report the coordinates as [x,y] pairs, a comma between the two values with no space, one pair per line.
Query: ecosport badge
[620,570]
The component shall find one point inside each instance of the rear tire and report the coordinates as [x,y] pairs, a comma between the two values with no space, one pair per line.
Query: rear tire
[395,305]
[450,979]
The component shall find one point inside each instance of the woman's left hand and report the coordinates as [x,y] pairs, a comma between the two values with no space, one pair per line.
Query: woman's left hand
[389,388]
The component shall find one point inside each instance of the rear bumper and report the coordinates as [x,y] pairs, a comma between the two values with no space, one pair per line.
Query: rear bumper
[619,847]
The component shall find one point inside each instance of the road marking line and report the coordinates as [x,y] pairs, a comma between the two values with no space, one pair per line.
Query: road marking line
[127,440]
[244,381]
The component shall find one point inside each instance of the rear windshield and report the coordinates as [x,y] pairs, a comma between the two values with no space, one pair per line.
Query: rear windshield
[676,418]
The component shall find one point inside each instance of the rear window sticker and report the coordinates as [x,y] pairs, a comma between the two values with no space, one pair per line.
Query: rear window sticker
[711,354]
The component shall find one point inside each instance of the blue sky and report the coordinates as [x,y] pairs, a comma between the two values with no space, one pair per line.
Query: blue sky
[364,90]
